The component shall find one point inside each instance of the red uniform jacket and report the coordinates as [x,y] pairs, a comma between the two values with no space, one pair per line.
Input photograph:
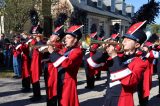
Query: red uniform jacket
[53,74]
[25,61]
[93,49]
[70,64]
[124,77]
[150,57]
[147,78]
[17,50]
[52,81]
[23,49]
[129,83]
[36,63]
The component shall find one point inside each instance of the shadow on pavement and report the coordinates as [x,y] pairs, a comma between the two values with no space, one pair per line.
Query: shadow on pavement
[154,83]
[98,88]
[22,102]
[154,101]
[81,82]
[84,81]
[93,102]
[9,93]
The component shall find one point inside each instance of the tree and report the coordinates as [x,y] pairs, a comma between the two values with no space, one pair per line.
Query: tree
[155,28]
[147,12]
[16,14]
[46,11]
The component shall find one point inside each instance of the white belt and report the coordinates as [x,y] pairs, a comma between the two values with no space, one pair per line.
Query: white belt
[114,83]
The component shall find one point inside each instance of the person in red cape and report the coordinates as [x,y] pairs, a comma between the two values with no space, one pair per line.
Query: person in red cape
[115,37]
[25,62]
[126,71]
[56,41]
[90,74]
[146,82]
[35,68]
[65,68]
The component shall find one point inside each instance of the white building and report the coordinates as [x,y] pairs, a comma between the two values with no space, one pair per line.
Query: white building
[104,13]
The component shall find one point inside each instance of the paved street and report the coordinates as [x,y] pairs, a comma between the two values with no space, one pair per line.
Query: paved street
[10,94]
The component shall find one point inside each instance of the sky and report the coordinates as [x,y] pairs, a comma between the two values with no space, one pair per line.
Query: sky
[138,3]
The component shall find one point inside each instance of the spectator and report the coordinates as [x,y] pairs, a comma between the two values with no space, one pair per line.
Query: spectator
[2,43]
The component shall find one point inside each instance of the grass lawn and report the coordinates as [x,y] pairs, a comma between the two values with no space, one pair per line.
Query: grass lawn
[5,73]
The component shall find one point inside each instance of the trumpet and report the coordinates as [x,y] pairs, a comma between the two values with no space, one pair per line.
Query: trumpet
[44,48]
[41,48]
[90,41]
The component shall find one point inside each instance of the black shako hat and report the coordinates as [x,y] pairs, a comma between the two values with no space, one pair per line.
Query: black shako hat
[75,31]
[135,33]
[59,25]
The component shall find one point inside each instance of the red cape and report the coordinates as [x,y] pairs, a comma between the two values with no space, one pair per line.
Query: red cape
[35,66]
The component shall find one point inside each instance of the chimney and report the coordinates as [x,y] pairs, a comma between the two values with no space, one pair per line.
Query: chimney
[130,10]
[110,5]
[121,6]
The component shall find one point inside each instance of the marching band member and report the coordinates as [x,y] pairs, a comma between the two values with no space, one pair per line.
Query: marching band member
[25,62]
[35,68]
[65,68]
[158,72]
[90,74]
[55,40]
[23,49]
[156,63]
[125,72]
[114,37]
[145,83]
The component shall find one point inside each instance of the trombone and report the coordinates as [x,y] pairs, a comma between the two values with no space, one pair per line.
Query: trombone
[90,41]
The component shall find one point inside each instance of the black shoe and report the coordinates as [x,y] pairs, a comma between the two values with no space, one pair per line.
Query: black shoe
[25,90]
[98,78]
[158,96]
[15,76]
[31,96]
[35,98]
[18,77]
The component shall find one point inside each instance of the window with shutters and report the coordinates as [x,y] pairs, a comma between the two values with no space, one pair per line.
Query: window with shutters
[99,3]
[85,28]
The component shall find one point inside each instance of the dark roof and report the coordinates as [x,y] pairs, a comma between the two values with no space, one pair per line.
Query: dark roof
[93,9]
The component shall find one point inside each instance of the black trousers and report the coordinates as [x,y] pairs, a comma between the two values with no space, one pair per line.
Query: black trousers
[90,80]
[45,71]
[2,59]
[26,83]
[53,101]
[98,75]
[36,89]
[159,84]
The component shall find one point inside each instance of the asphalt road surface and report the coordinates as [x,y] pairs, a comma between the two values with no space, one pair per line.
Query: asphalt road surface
[10,94]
